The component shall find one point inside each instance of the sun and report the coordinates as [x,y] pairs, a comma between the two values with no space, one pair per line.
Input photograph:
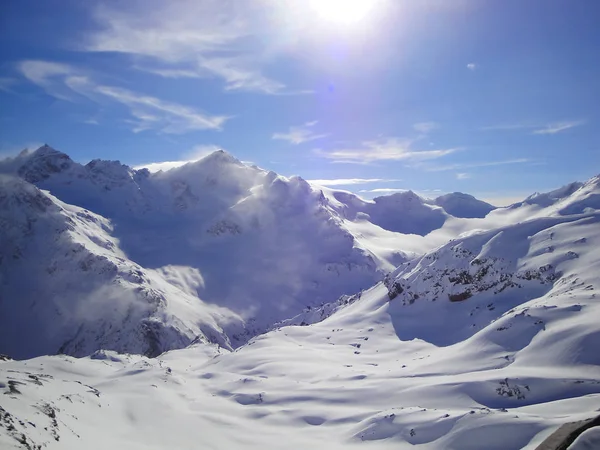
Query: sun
[342,11]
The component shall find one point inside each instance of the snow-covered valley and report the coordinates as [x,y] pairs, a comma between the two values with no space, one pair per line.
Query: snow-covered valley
[219,305]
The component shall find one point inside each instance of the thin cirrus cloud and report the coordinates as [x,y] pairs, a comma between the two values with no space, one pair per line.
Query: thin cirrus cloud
[350,181]
[299,134]
[558,127]
[383,149]
[425,127]
[463,176]
[472,66]
[537,128]
[169,73]
[147,112]
[382,190]
[190,39]
[475,165]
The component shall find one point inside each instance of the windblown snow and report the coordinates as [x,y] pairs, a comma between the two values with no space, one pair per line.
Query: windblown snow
[219,305]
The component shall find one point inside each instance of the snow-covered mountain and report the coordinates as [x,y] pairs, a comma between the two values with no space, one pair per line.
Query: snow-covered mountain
[489,341]
[485,335]
[463,205]
[67,287]
[213,250]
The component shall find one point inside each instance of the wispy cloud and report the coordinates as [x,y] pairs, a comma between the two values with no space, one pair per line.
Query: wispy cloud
[170,117]
[476,165]
[196,153]
[510,126]
[425,127]
[351,181]
[189,38]
[472,66]
[299,134]
[13,150]
[45,74]
[7,83]
[537,128]
[554,128]
[383,190]
[169,73]
[238,76]
[463,176]
[66,82]
[169,31]
[384,149]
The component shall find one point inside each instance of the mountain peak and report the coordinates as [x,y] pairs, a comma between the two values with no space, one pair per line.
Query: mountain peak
[546,199]
[399,197]
[45,150]
[43,162]
[462,205]
[221,156]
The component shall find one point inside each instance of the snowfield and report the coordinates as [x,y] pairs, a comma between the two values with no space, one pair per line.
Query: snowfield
[221,306]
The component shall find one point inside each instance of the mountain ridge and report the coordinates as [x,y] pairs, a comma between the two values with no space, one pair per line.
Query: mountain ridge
[193,233]
[232,297]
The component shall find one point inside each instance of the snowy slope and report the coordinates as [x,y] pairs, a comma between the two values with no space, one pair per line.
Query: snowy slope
[412,361]
[66,286]
[214,245]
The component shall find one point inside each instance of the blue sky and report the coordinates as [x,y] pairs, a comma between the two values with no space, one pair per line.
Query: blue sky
[497,98]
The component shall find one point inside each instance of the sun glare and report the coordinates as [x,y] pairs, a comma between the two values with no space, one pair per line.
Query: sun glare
[342,11]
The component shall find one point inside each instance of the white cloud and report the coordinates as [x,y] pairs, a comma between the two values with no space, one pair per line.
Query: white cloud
[169,31]
[237,77]
[196,153]
[510,126]
[425,127]
[169,73]
[463,176]
[13,150]
[192,39]
[472,66]
[164,166]
[350,181]
[549,128]
[383,190]
[45,74]
[554,128]
[476,165]
[148,112]
[384,149]
[299,134]
[169,117]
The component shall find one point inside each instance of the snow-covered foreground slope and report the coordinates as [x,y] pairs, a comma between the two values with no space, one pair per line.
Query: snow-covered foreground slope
[488,342]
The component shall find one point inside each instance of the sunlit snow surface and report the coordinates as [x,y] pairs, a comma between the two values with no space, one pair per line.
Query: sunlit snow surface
[489,341]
